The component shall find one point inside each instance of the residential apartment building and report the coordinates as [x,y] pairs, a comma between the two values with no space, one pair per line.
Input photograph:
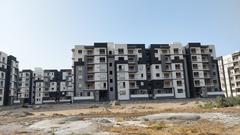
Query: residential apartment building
[203,72]
[45,86]
[8,79]
[168,71]
[108,71]
[229,70]
[25,92]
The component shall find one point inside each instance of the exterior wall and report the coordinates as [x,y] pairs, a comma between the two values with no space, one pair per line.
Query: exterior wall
[108,71]
[45,86]
[3,73]
[8,79]
[203,70]
[25,92]
[229,71]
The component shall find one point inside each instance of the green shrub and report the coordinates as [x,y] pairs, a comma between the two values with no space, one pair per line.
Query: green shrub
[208,105]
[221,102]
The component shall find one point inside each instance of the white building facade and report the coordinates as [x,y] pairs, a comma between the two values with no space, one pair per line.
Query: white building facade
[229,71]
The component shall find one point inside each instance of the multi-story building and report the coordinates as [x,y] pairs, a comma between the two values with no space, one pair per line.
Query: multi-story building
[229,70]
[25,93]
[45,86]
[8,79]
[202,70]
[108,71]
[168,71]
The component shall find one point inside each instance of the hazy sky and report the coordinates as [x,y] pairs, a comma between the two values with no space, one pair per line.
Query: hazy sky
[41,33]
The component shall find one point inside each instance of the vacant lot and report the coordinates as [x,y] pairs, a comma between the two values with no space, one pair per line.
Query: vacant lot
[162,117]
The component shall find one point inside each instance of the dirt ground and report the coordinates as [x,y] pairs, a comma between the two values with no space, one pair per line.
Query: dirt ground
[124,119]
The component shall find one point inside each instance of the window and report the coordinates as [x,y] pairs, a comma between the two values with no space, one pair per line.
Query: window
[155,51]
[194,58]
[177,66]
[210,50]
[180,90]
[197,82]
[120,58]
[110,52]
[104,85]
[130,59]
[110,72]
[193,50]
[120,51]
[80,59]
[141,75]
[164,91]
[131,76]
[215,81]
[102,59]
[139,51]
[164,51]
[157,67]
[88,94]
[111,88]
[111,80]
[178,75]
[110,64]
[176,57]
[124,85]
[214,73]
[130,51]
[1,84]
[102,51]
[89,51]
[179,83]
[196,74]
[1,91]
[157,75]
[195,66]
[120,67]
[79,51]
[175,50]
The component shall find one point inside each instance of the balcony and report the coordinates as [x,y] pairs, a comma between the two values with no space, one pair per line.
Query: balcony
[237,86]
[132,68]
[167,84]
[90,86]
[132,85]
[205,67]
[167,68]
[131,76]
[165,52]
[237,72]
[193,51]
[236,59]
[132,59]
[207,76]
[167,76]
[205,59]
[237,79]
[90,77]
[89,52]
[90,60]
[90,69]
[167,60]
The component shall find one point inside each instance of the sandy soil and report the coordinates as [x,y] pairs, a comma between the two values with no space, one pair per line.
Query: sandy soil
[105,119]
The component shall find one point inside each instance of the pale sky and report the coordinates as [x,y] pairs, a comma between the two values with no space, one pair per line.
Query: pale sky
[41,33]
